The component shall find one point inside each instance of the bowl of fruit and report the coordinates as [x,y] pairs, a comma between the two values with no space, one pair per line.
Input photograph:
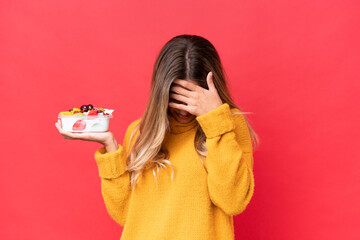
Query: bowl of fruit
[87,118]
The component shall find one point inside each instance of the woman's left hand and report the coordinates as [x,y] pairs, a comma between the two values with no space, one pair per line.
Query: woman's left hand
[198,100]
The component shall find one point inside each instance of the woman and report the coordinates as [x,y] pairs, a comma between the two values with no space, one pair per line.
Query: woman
[186,167]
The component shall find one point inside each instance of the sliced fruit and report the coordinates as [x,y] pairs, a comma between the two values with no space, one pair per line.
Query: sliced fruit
[75,110]
[66,113]
[92,112]
[90,107]
[79,114]
[79,125]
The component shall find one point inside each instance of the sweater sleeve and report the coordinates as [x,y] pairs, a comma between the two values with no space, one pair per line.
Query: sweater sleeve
[115,180]
[229,159]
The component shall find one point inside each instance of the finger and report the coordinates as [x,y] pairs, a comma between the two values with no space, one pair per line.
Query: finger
[73,135]
[64,133]
[81,135]
[179,106]
[182,91]
[67,135]
[57,125]
[179,97]
[61,131]
[186,84]
[209,80]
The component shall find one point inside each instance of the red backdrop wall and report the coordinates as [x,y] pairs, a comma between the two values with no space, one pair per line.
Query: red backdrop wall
[294,64]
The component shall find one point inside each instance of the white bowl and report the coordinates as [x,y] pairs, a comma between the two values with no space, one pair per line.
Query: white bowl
[93,123]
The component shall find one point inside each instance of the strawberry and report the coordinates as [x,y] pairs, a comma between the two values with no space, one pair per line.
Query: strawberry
[79,125]
[92,112]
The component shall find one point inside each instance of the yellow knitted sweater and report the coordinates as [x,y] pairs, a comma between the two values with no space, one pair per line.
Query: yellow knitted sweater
[200,201]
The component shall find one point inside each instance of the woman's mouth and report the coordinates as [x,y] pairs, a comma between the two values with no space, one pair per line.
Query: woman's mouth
[183,116]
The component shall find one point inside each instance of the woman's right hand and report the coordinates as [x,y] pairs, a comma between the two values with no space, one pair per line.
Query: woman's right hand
[105,138]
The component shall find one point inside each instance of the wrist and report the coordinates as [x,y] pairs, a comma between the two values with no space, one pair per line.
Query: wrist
[111,145]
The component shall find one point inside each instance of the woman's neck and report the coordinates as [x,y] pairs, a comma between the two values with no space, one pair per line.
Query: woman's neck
[177,127]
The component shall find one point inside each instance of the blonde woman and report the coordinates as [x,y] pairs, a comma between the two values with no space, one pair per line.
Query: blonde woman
[185,168]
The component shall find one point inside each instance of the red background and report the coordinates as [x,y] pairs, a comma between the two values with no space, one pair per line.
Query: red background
[294,64]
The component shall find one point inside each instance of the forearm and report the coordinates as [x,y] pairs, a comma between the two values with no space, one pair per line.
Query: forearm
[230,177]
[116,194]
[229,159]
[115,180]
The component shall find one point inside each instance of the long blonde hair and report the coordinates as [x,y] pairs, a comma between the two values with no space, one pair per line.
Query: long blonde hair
[182,57]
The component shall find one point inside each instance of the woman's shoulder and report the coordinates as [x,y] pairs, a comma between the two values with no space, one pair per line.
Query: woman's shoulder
[133,125]
[237,113]
[135,122]
[239,119]
[130,135]
[234,109]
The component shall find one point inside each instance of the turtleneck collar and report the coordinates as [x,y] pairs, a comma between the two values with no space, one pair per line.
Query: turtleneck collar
[177,127]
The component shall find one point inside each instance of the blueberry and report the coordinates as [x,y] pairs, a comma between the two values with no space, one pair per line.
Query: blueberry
[90,107]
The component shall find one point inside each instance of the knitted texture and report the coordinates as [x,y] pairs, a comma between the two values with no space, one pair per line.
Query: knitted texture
[199,203]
